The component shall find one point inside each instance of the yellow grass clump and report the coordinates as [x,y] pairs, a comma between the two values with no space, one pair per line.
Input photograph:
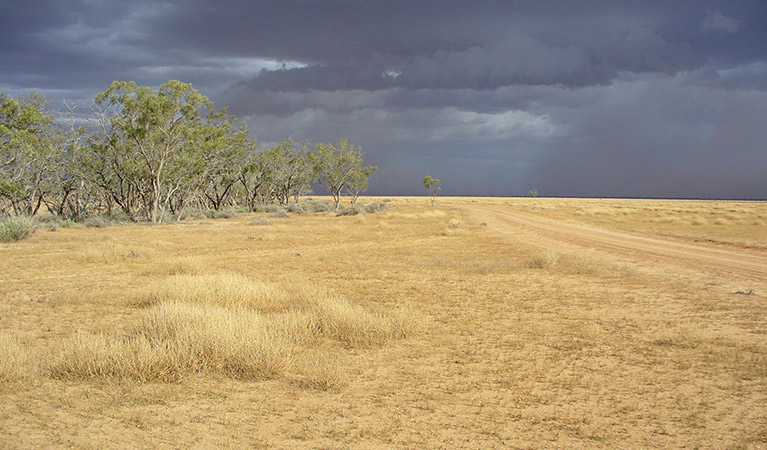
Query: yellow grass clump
[321,372]
[354,325]
[101,356]
[13,358]
[217,323]
[176,339]
[223,289]
[543,260]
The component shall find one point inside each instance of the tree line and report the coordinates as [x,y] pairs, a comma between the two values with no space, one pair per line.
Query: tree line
[150,153]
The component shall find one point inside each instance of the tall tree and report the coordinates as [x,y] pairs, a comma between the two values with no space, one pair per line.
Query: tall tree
[150,128]
[28,146]
[336,165]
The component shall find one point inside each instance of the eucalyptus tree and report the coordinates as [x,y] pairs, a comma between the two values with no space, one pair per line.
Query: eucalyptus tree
[28,151]
[292,169]
[358,183]
[336,165]
[145,134]
[432,186]
[218,149]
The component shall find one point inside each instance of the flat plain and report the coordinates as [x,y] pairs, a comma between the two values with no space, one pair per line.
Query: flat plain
[478,323]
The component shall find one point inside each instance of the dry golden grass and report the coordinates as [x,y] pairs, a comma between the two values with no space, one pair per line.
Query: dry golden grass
[222,289]
[14,358]
[415,327]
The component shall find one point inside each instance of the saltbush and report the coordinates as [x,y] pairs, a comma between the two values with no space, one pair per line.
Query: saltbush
[14,229]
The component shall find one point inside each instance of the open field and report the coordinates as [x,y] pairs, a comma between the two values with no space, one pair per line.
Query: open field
[480,323]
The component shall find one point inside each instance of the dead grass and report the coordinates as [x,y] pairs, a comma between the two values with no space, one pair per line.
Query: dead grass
[221,289]
[221,324]
[389,331]
[546,259]
[174,340]
[14,358]
[322,372]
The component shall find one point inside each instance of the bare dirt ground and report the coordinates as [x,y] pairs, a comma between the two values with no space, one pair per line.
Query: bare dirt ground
[715,260]
[548,323]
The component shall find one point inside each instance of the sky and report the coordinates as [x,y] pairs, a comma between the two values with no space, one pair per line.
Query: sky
[571,98]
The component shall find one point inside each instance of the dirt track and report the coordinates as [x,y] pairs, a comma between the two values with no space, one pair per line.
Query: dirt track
[729,261]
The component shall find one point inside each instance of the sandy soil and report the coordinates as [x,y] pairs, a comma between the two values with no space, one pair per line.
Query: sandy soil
[719,260]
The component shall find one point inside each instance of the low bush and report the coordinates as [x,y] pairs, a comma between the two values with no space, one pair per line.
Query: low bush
[192,213]
[97,222]
[221,289]
[375,207]
[318,206]
[299,209]
[280,212]
[259,221]
[223,214]
[344,211]
[14,229]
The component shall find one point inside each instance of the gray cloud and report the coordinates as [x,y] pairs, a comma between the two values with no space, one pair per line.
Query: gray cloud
[718,22]
[572,98]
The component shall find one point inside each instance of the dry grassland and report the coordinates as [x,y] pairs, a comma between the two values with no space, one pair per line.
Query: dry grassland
[415,327]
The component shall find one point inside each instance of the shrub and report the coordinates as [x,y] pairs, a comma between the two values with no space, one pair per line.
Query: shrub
[280,212]
[543,260]
[352,324]
[97,222]
[343,211]
[223,214]
[192,213]
[321,372]
[14,229]
[318,206]
[259,221]
[298,209]
[375,207]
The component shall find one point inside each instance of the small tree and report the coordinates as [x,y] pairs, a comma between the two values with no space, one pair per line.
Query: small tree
[359,182]
[336,165]
[533,193]
[432,186]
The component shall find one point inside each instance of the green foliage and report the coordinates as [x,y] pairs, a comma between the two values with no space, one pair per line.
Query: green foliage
[338,165]
[533,193]
[14,229]
[343,211]
[432,186]
[374,207]
[158,153]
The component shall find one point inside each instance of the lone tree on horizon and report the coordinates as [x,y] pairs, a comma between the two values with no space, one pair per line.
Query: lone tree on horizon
[432,186]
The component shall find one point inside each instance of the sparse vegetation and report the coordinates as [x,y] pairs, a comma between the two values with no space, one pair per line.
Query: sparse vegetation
[432,186]
[158,155]
[14,229]
[327,331]
[14,358]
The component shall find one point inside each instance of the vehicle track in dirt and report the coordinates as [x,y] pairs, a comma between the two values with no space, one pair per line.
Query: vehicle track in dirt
[715,259]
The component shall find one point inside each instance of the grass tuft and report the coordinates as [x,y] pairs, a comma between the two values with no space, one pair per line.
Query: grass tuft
[13,358]
[322,372]
[222,289]
[17,228]
[544,260]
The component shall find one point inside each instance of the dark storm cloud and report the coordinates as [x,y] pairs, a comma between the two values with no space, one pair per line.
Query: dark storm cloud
[572,98]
